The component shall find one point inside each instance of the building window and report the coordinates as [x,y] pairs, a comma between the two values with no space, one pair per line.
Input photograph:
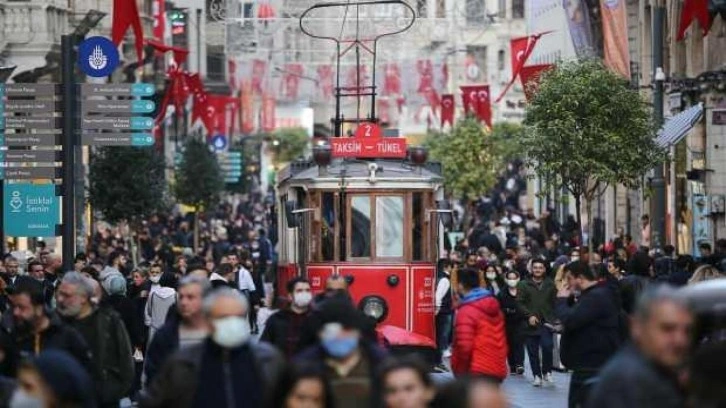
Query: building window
[475,12]
[248,9]
[517,8]
[440,8]
[421,8]
[502,8]
[360,227]
[215,64]
[389,226]
[500,60]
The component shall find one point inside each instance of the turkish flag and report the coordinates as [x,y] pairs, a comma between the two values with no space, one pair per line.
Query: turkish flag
[267,113]
[247,113]
[159,14]
[425,69]
[216,122]
[232,72]
[392,79]
[521,48]
[477,100]
[384,110]
[447,109]
[259,69]
[530,76]
[694,10]
[291,80]
[180,54]
[325,80]
[125,14]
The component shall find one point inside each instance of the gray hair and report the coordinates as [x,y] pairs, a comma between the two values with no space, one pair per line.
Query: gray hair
[196,280]
[219,293]
[83,285]
[654,296]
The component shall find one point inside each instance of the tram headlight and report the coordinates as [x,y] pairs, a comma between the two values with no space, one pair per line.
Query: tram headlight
[374,307]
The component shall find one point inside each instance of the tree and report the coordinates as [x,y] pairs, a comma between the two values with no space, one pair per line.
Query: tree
[127,183]
[289,144]
[506,139]
[468,156]
[586,127]
[199,180]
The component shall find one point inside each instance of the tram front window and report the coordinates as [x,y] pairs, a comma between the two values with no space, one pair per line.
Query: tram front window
[360,227]
[327,233]
[389,226]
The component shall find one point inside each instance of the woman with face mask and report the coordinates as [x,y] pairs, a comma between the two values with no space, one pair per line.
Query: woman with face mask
[492,280]
[161,299]
[54,379]
[514,320]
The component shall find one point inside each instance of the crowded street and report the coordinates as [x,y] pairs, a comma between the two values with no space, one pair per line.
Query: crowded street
[363,204]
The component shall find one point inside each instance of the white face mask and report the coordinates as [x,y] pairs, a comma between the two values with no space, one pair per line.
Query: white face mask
[22,399]
[231,332]
[155,279]
[512,283]
[302,299]
[491,275]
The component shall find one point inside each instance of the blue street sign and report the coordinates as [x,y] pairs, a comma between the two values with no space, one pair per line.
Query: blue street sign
[98,57]
[141,89]
[31,210]
[141,123]
[218,142]
[142,139]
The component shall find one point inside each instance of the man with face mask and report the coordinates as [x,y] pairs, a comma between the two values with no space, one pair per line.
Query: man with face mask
[226,370]
[347,358]
[591,334]
[35,328]
[284,327]
[103,330]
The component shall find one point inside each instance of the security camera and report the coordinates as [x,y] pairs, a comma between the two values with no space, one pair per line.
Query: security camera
[372,167]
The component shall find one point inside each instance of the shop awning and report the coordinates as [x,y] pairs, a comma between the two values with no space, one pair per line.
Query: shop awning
[677,127]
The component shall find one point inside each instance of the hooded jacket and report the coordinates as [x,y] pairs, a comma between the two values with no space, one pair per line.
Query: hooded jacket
[105,277]
[480,343]
[161,299]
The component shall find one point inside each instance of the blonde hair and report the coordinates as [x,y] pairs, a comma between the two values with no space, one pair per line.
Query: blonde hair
[704,273]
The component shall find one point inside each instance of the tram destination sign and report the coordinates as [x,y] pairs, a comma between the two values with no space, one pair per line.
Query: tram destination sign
[369,147]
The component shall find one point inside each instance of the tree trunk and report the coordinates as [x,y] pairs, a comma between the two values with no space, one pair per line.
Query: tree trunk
[578,217]
[590,229]
[196,230]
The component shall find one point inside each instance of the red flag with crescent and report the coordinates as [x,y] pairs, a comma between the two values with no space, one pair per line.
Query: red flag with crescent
[259,69]
[521,48]
[392,79]
[291,80]
[447,109]
[267,113]
[530,76]
[694,10]
[477,100]
[325,80]
[247,113]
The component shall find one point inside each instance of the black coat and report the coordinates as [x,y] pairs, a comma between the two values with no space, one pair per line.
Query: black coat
[629,380]
[163,345]
[591,328]
[515,317]
[283,330]
[126,308]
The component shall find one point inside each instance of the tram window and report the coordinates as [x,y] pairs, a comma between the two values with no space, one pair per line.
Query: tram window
[417,238]
[360,227]
[327,226]
[389,226]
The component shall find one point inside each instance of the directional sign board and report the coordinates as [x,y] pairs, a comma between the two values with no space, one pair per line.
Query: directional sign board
[127,119]
[30,210]
[29,173]
[25,156]
[231,165]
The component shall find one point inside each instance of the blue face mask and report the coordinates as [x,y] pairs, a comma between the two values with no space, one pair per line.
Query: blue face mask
[340,347]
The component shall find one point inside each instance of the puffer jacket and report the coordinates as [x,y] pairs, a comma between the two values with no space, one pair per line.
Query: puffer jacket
[480,343]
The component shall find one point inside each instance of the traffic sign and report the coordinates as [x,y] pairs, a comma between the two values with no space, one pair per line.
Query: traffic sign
[118,106]
[28,156]
[30,210]
[140,89]
[10,90]
[128,123]
[28,139]
[219,142]
[98,56]
[117,139]
[26,173]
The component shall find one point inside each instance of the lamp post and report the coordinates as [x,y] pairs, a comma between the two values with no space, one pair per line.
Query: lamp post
[658,200]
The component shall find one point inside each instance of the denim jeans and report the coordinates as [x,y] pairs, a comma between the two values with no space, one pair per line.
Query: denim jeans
[542,340]
[443,333]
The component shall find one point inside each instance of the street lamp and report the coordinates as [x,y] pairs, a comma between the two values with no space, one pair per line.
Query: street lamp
[658,200]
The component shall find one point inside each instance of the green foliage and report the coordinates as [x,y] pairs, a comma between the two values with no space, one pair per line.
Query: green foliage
[506,139]
[199,179]
[292,144]
[468,156]
[126,182]
[588,128]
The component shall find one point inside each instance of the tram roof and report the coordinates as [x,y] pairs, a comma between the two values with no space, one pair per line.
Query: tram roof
[388,170]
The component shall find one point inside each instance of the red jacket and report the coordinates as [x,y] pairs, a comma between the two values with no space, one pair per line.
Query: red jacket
[480,343]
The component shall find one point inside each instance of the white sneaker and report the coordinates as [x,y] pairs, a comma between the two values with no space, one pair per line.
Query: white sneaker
[549,380]
[447,353]
[537,382]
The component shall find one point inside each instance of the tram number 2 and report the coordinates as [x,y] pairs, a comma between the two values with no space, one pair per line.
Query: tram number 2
[368,130]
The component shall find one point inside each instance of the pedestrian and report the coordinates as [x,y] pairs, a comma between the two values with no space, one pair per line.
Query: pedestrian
[537,299]
[515,320]
[705,273]
[283,328]
[223,276]
[104,332]
[36,328]
[53,267]
[444,310]
[12,269]
[591,320]
[406,384]
[116,262]
[161,298]
[226,369]
[53,379]
[348,359]
[645,373]
[480,344]
[470,392]
[492,280]
[303,387]
[187,328]
[35,270]
[116,298]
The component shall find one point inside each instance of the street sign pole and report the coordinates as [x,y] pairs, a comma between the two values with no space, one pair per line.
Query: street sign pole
[69,134]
